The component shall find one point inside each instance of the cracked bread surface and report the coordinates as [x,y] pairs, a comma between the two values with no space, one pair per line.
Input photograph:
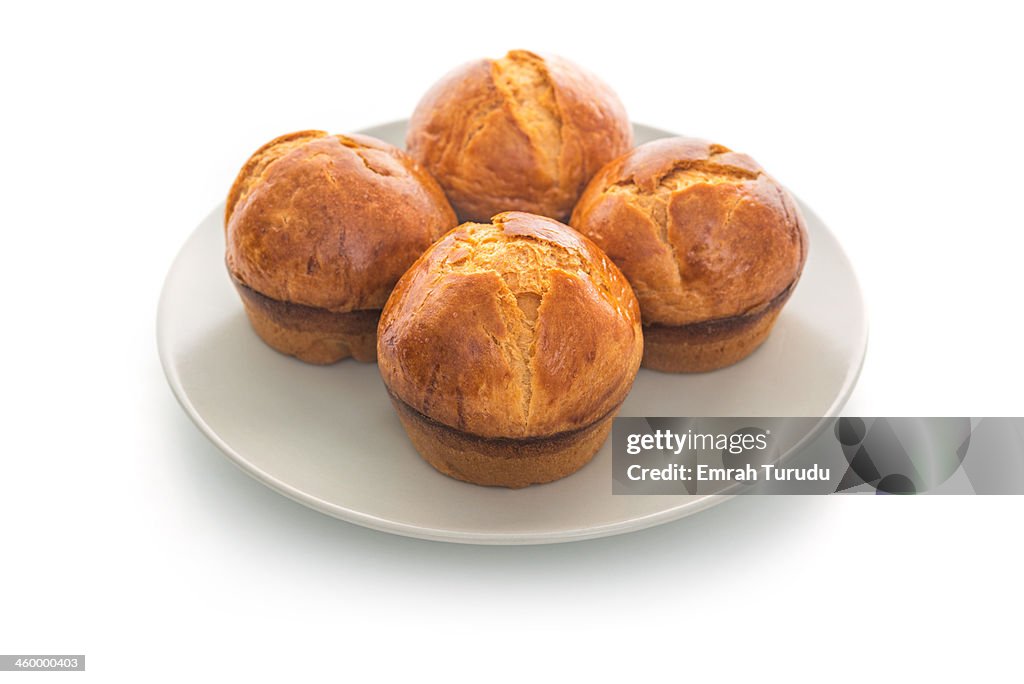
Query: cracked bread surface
[330,221]
[524,132]
[701,232]
[520,328]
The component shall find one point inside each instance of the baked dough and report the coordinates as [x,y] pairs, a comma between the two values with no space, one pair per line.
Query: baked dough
[508,348]
[523,132]
[712,245]
[319,228]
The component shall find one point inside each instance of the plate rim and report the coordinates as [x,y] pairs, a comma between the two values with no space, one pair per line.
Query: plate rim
[479,538]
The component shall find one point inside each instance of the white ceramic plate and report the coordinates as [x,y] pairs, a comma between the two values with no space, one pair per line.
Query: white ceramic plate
[328,437]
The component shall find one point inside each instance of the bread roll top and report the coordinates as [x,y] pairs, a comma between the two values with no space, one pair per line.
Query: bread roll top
[523,132]
[701,232]
[519,328]
[331,221]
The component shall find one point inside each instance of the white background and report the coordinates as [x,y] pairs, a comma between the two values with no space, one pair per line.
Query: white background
[126,536]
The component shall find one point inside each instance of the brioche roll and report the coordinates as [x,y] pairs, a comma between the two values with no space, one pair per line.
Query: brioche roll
[319,228]
[523,132]
[508,348]
[712,245]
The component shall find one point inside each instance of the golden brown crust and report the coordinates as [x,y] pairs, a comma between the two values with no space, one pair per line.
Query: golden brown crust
[700,231]
[256,166]
[501,462]
[519,328]
[309,333]
[523,132]
[330,221]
